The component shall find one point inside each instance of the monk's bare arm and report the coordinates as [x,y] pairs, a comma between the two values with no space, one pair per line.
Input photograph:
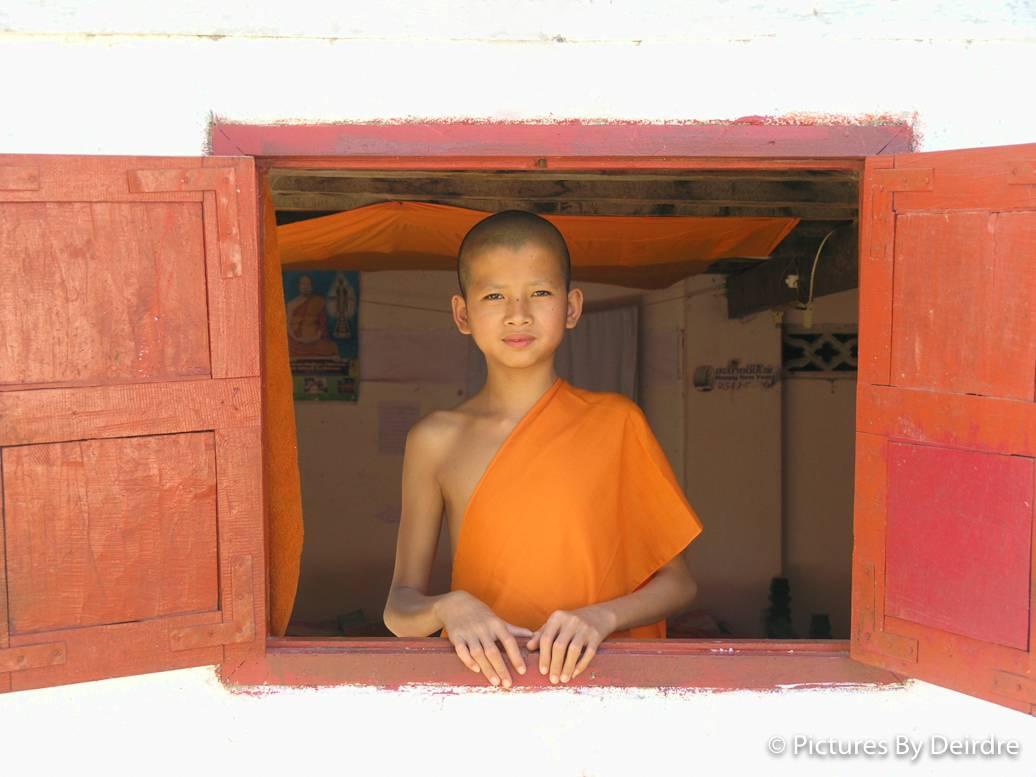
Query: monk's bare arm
[670,590]
[410,611]
[568,641]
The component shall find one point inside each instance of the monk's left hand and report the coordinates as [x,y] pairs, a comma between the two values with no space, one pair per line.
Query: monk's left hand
[569,639]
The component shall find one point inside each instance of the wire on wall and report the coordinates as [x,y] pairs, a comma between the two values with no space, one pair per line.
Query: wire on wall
[807,308]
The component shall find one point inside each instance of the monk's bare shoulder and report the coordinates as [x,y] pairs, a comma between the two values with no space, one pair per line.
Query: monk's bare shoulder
[431,440]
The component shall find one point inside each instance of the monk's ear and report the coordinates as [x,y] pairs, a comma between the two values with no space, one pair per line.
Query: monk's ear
[460,314]
[575,308]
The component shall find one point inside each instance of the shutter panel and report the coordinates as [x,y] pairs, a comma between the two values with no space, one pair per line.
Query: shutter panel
[946,421]
[131,526]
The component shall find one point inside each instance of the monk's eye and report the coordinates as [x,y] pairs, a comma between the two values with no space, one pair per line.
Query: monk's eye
[541,291]
[489,296]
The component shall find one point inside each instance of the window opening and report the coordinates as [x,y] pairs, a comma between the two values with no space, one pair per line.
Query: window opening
[350,452]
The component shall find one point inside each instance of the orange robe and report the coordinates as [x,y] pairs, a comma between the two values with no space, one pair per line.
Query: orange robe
[578,506]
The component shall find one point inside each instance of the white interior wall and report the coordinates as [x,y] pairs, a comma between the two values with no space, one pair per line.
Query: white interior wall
[819,422]
[733,459]
[661,390]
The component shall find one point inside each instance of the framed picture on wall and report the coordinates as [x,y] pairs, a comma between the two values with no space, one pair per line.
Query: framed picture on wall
[321,309]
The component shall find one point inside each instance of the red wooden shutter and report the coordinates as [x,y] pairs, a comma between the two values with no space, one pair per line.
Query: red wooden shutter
[946,422]
[131,535]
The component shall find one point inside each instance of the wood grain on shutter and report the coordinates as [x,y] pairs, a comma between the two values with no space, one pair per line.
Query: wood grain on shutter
[965,286]
[115,293]
[875,274]
[5,677]
[943,559]
[52,415]
[971,422]
[104,531]
[25,178]
[130,478]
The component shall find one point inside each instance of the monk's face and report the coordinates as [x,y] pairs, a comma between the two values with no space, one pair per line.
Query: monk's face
[516,305]
[305,286]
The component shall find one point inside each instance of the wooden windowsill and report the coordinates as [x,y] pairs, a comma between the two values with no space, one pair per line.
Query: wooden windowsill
[703,664]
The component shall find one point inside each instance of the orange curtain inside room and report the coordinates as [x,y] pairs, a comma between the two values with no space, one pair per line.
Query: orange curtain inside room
[280,441]
[636,251]
[646,252]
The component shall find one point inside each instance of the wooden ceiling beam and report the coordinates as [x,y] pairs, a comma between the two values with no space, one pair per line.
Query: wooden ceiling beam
[549,174]
[715,190]
[809,210]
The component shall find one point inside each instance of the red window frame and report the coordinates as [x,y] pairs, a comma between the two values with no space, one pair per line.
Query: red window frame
[573,146]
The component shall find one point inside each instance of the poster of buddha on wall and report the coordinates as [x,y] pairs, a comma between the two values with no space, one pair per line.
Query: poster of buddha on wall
[321,308]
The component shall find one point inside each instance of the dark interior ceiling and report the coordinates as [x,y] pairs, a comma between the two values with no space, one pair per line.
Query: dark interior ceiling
[822,199]
[812,195]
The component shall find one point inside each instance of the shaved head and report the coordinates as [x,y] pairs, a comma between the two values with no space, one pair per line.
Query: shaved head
[513,229]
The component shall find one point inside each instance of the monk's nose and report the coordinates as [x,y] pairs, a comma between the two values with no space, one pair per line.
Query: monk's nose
[517,310]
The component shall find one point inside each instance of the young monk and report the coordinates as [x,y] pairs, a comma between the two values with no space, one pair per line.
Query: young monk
[566,523]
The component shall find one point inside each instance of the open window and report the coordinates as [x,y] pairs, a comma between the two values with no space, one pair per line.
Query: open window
[657,327]
[157,394]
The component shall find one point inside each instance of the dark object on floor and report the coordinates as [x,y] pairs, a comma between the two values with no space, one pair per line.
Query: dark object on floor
[777,617]
[819,626]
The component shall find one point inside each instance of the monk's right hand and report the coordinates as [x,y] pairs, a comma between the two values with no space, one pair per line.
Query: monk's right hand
[474,629]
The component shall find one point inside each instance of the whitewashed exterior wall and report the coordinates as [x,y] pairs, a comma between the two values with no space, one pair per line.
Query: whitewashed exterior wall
[122,78]
[184,722]
[138,78]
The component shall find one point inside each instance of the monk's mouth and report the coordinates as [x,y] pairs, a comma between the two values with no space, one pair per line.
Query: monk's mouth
[518,342]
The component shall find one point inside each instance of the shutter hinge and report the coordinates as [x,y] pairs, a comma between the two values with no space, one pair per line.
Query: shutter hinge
[1015,685]
[904,179]
[237,626]
[17,659]
[878,640]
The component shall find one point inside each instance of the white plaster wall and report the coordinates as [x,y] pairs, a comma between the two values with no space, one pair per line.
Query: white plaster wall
[120,78]
[535,20]
[184,722]
[145,78]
